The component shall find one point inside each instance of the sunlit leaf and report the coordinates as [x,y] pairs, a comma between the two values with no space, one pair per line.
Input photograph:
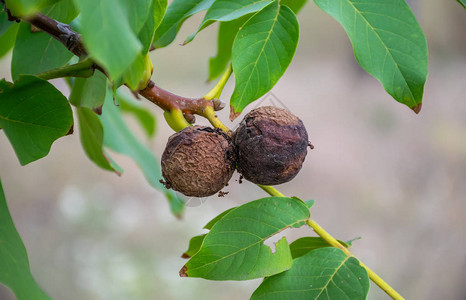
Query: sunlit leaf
[262,51]
[228,10]
[15,272]
[177,12]
[118,137]
[234,248]
[462,2]
[388,43]
[33,114]
[325,273]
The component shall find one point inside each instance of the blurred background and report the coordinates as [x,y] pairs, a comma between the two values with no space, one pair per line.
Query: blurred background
[378,171]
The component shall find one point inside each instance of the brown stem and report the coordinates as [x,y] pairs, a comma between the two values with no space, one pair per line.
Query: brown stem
[160,97]
[168,101]
[60,31]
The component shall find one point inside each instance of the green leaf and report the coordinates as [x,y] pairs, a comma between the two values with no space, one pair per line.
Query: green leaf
[36,52]
[262,50]
[226,34]
[194,246]
[309,203]
[134,75]
[15,272]
[119,138]
[388,43]
[217,218]
[305,245]
[21,8]
[462,2]
[142,114]
[89,92]
[33,114]
[147,32]
[4,23]
[177,12]
[234,248]
[325,273]
[63,11]
[7,39]
[228,10]
[92,137]
[295,5]
[106,20]
[136,12]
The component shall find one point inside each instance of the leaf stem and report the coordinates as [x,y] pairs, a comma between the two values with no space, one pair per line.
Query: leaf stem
[210,115]
[218,88]
[84,68]
[373,276]
[271,190]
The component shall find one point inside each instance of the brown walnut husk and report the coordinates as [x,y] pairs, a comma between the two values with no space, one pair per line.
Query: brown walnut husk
[272,144]
[198,161]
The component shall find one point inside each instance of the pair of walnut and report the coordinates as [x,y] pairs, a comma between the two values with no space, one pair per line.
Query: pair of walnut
[268,148]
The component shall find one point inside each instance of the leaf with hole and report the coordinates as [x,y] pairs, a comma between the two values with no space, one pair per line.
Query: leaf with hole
[177,12]
[388,43]
[33,114]
[325,273]
[234,248]
[119,138]
[262,51]
[228,10]
[15,271]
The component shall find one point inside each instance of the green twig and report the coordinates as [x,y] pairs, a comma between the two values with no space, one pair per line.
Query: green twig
[84,69]
[218,88]
[373,276]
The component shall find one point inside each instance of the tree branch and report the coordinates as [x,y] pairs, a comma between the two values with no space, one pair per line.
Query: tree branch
[168,101]
[60,31]
[160,97]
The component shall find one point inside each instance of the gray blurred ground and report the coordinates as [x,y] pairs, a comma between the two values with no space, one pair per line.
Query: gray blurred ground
[377,171]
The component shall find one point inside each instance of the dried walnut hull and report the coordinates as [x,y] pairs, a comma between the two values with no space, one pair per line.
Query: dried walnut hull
[198,161]
[272,144]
